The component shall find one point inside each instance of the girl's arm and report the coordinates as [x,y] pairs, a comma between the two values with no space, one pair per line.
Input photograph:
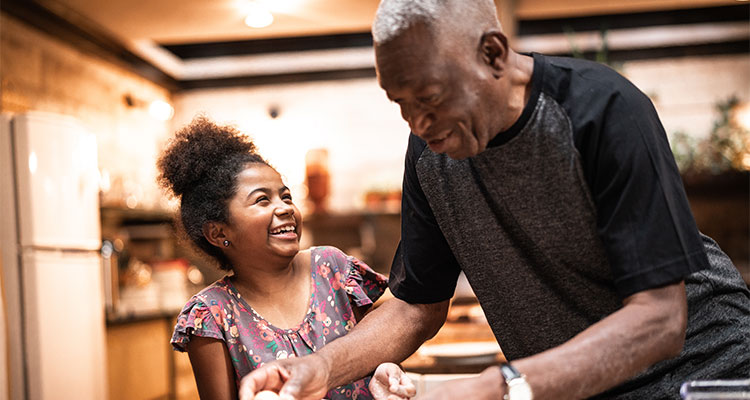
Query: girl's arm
[214,373]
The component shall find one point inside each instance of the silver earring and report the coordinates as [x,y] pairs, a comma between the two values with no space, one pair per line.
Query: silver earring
[227,243]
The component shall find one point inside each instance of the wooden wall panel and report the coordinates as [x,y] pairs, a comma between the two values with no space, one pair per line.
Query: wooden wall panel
[138,360]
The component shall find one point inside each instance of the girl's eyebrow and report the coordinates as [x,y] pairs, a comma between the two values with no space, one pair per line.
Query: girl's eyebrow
[282,189]
[260,189]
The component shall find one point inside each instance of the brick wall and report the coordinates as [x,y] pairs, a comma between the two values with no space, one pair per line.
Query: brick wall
[42,73]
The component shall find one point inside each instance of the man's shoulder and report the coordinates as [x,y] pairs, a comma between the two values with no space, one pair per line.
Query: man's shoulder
[579,66]
[575,76]
[589,89]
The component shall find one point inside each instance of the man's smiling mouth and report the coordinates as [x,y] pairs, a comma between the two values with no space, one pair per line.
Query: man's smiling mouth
[437,144]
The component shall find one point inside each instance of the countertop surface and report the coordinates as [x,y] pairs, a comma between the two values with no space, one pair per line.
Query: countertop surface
[465,330]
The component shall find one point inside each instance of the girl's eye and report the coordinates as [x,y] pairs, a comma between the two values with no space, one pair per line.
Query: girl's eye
[260,199]
[287,197]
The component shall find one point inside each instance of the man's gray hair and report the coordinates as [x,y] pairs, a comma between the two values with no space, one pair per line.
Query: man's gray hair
[395,16]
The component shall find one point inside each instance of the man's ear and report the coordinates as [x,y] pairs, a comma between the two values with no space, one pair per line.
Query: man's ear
[214,233]
[494,51]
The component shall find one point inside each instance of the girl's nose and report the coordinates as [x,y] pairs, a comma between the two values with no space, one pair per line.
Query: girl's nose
[284,209]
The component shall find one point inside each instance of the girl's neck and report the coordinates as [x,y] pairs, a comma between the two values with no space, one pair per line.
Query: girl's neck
[270,280]
[280,295]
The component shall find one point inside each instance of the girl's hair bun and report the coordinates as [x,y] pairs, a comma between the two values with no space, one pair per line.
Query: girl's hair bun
[195,150]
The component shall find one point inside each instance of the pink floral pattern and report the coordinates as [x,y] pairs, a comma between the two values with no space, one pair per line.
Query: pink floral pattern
[339,282]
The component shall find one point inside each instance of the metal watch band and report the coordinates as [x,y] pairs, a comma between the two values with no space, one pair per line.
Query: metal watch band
[509,372]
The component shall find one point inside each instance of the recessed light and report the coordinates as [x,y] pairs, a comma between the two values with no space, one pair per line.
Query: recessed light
[258,17]
[161,110]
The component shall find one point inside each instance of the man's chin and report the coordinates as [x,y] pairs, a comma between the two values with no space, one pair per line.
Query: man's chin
[455,148]
[462,153]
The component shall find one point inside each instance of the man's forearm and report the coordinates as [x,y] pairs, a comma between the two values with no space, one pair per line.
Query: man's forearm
[392,332]
[648,329]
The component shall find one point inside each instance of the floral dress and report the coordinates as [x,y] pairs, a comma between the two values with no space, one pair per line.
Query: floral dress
[339,281]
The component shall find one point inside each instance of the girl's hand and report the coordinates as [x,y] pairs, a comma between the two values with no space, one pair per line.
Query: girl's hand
[389,382]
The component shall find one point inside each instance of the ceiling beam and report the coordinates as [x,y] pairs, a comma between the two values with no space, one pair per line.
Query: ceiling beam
[86,38]
[543,9]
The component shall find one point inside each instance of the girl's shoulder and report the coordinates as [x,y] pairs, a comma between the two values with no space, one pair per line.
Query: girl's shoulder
[328,255]
[219,290]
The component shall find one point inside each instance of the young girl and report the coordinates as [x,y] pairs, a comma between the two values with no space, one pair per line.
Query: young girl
[277,301]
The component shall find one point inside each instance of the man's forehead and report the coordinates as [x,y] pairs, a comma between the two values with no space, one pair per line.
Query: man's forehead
[416,79]
[408,73]
[412,72]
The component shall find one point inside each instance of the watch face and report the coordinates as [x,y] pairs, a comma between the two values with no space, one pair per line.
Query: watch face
[519,391]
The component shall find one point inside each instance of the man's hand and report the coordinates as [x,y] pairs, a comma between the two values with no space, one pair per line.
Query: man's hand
[303,378]
[389,382]
[487,386]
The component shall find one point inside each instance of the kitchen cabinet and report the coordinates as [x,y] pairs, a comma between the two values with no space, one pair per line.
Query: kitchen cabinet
[142,365]
[138,360]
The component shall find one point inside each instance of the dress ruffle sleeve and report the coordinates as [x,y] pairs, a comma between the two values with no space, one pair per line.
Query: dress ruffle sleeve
[195,319]
[363,285]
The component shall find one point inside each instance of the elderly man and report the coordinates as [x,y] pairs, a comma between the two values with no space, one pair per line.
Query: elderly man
[550,183]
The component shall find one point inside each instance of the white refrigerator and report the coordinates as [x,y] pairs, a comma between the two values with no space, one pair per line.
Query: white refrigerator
[51,265]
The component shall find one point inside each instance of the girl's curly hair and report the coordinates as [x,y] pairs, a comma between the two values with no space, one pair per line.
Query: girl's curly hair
[200,167]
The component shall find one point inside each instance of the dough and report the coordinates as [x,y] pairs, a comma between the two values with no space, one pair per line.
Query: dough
[267,395]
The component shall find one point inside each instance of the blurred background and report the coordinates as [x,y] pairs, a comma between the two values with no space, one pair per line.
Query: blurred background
[93,272]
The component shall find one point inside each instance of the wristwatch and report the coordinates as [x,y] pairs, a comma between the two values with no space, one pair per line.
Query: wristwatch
[518,388]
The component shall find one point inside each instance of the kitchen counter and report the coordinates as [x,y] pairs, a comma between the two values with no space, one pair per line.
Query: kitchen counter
[464,328]
[127,318]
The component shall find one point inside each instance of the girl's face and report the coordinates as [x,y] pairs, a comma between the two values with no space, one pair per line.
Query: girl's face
[263,221]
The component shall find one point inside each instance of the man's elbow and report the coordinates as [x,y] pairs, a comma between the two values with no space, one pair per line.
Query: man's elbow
[663,315]
[432,317]
[675,329]
[672,325]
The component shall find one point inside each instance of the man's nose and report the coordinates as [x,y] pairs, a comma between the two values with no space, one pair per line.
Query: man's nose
[420,120]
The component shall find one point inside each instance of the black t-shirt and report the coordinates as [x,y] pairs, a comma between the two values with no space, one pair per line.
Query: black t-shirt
[642,214]
[574,208]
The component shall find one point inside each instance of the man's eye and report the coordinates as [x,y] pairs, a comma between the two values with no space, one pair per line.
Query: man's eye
[431,99]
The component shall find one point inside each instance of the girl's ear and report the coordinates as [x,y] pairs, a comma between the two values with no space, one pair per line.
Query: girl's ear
[493,49]
[214,233]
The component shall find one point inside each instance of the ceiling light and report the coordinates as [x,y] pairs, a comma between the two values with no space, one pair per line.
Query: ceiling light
[258,16]
[161,110]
